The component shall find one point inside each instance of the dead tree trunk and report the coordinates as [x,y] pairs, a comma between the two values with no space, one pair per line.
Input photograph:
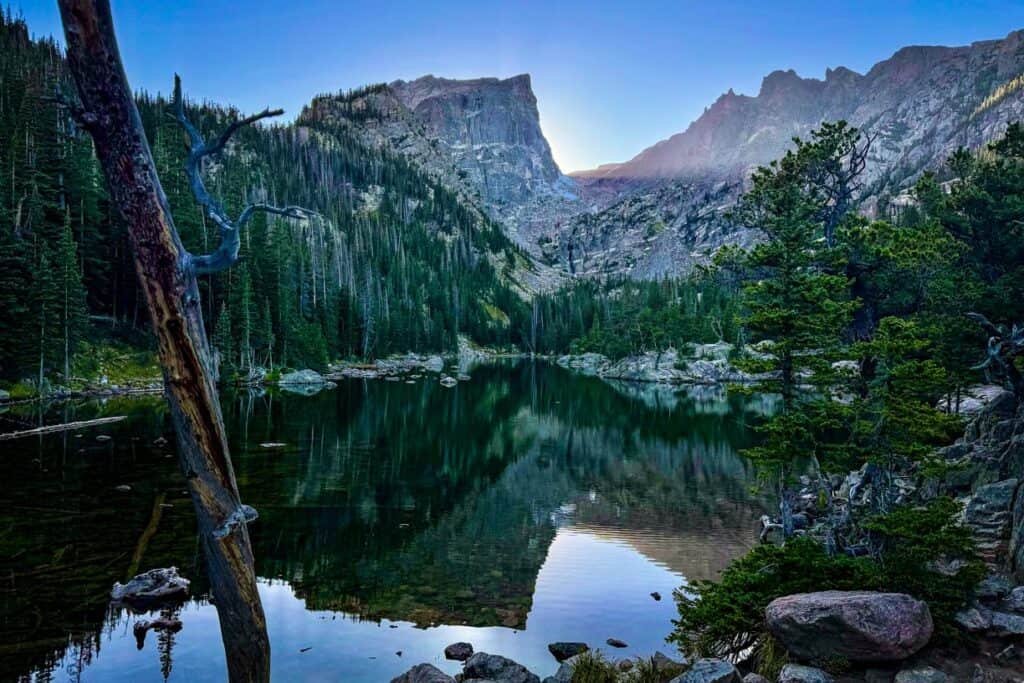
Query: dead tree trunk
[167,273]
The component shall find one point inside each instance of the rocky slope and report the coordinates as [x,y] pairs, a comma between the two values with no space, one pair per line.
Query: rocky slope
[481,137]
[918,107]
[664,210]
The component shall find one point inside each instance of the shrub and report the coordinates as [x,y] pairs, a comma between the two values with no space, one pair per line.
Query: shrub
[912,541]
[725,618]
[591,667]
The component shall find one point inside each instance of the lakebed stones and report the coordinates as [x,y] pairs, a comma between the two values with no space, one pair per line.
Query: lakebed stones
[563,651]
[798,673]
[859,626]
[423,673]
[710,671]
[496,669]
[152,589]
[459,652]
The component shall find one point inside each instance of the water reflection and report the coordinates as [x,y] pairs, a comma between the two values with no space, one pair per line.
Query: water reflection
[527,498]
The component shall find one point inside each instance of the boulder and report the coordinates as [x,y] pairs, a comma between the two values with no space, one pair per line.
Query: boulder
[460,652]
[798,673]
[306,376]
[1007,624]
[859,626]
[496,669]
[989,515]
[615,642]
[564,673]
[1014,602]
[424,673]
[664,664]
[710,671]
[563,651]
[447,381]
[152,589]
[434,364]
[974,619]
[993,587]
[755,678]
[921,674]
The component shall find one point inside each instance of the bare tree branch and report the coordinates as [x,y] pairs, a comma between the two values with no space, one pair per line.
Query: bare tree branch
[226,253]
[1004,347]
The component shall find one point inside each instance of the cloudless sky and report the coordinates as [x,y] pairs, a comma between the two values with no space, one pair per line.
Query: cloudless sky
[611,77]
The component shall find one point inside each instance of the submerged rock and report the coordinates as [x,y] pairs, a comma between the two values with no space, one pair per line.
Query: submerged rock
[424,673]
[152,589]
[447,381]
[563,651]
[615,642]
[710,671]
[859,626]
[460,652]
[483,667]
[798,673]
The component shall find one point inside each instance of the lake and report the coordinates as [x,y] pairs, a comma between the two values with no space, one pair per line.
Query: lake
[524,506]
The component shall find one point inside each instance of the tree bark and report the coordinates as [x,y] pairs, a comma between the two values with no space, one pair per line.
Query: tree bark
[168,279]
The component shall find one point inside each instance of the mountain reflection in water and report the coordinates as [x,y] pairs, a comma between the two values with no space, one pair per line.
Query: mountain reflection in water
[524,506]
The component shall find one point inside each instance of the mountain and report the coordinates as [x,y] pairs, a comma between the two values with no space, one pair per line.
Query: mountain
[663,211]
[917,107]
[393,261]
[481,138]
[921,104]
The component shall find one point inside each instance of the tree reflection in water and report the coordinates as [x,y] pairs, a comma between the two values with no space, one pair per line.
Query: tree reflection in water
[407,502]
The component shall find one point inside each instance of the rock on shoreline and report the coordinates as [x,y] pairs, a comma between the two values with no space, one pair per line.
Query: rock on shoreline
[704,364]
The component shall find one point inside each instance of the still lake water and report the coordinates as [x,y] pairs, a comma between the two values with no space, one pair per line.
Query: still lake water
[524,506]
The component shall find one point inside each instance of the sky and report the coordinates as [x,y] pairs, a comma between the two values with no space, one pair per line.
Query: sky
[611,77]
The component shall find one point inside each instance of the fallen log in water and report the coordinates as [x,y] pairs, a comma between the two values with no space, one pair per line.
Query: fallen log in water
[67,426]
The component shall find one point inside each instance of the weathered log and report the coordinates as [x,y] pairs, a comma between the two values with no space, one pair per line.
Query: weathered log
[66,427]
[168,279]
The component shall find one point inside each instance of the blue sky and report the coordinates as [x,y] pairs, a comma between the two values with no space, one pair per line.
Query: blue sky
[611,77]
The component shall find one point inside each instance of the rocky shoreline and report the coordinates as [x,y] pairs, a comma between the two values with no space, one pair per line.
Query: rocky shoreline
[703,364]
[868,636]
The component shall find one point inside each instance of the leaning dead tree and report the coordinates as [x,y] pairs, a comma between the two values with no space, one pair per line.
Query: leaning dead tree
[167,273]
[1005,346]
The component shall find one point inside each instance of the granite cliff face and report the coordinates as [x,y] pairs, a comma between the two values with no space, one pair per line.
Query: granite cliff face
[480,136]
[664,210]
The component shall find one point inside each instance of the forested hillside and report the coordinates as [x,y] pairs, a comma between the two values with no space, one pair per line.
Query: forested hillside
[392,261]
